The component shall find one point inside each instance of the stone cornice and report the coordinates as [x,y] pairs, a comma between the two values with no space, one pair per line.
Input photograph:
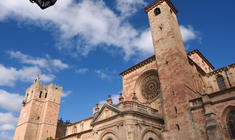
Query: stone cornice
[128,107]
[36,123]
[141,64]
[80,121]
[158,2]
[147,61]
[202,56]
[212,96]
[153,58]
[221,69]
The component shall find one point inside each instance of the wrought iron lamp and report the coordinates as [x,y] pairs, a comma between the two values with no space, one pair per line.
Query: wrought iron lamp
[43,4]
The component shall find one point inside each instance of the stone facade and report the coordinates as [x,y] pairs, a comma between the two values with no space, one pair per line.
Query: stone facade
[169,96]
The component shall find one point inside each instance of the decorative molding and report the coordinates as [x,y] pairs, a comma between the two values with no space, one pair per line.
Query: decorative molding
[211,96]
[221,69]
[80,121]
[139,65]
[153,58]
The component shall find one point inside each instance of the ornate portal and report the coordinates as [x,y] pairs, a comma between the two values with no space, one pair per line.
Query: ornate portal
[150,85]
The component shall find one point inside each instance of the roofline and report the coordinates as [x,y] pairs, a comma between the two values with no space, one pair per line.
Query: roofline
[142,63]
[202,56]
[153,58]
[80,121]
[158,2]
[221,69]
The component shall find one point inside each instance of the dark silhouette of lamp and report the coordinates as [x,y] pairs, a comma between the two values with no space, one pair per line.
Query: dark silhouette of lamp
[43,4]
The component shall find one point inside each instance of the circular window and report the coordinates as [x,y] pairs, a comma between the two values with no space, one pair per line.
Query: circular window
[150,85]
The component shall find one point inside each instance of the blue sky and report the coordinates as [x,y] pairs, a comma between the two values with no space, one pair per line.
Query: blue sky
[84,45]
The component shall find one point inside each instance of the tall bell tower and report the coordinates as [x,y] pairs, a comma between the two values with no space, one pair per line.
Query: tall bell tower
[174,70]
[39,112]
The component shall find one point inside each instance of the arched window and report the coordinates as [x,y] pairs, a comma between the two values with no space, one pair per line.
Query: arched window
[150,139]
[231,124]
[74,129]
[109,139]
[40,95]
[220,82]
[178,127]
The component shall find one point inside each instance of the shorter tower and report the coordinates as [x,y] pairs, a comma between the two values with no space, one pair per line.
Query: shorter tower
[39,112]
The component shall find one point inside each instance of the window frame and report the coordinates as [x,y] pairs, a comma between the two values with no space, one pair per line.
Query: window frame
[231,134]
[221,82]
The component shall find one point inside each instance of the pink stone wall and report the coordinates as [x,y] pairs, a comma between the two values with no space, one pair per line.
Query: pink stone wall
[129,81]
[200,62]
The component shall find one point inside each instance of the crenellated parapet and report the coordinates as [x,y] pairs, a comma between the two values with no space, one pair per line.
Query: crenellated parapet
[41,91]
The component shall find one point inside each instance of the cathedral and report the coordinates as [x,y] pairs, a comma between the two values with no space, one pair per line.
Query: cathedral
[172,95]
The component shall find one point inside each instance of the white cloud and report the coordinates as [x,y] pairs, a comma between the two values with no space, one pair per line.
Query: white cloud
[9,75]
[7,127]
[7,121]
[66,93]
[45,63]
[106,73]
[144,42]
[82,70]
[10,101]
[4,135]
[59,64]
[38,66]
[83,26]
[102,74]
[115,99]
[128,7]
[188,33]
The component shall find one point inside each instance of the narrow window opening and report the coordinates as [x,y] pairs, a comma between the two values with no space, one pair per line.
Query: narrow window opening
[173,92]
[178,127]
[109,139]
[176,111]
[46,95]
[150,139]
[40,95]
[38,118]
[220,82]
[157,11]
[231,124]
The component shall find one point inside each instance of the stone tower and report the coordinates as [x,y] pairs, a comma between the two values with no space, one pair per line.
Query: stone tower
[174,70]
[39,112]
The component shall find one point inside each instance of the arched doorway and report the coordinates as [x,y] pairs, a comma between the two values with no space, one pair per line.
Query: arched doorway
[150,135]
[109,136]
